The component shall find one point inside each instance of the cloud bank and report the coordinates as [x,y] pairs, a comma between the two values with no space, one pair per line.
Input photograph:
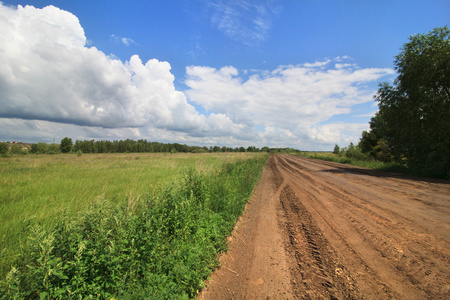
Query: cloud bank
[49,75]
[290,100]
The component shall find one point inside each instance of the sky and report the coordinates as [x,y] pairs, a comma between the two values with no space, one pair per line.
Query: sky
[299,74]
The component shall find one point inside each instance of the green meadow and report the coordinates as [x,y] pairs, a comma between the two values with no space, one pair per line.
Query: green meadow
[41,192]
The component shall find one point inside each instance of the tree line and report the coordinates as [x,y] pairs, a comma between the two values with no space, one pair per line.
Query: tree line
[122,146]
[142,146]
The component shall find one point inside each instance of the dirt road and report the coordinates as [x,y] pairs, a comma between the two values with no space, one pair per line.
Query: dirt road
[321,230]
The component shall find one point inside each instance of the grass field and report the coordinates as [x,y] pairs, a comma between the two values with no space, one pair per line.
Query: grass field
[38,188]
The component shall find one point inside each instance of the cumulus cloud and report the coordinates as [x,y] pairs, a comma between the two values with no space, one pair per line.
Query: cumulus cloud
[48,73]
[296,99]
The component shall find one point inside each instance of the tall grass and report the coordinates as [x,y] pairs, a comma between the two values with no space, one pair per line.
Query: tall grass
[360,162]
[162,245]
[37,188]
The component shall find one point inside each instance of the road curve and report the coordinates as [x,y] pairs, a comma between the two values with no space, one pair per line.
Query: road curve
[322,230]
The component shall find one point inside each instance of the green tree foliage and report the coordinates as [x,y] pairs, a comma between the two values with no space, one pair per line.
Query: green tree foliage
[34,148]
[41,148]
[354,152]
[54,148]
[132,146]
[66,145]
[414,112]
[3,148]
[336,150]
[15,149]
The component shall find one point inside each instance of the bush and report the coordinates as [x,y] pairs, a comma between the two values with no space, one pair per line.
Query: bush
[16,149]
[53,149]
[3,148]
[354,152]
[42,148]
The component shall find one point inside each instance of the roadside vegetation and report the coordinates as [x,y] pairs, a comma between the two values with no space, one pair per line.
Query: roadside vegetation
[412,125]
[144,226]
[352,155]
[411,130]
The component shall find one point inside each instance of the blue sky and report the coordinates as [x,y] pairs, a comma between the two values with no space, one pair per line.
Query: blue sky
[298,74]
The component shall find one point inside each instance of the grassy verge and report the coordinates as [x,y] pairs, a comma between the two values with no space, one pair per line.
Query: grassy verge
[162,245]
[366,163]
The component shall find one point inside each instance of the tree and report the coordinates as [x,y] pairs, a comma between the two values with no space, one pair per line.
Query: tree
[336,149]
[53,148]
[42,148]
[3,148]
[66,145]
[34,148]
[415,110]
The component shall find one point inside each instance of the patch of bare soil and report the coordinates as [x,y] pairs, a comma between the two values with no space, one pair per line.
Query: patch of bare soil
[322,230]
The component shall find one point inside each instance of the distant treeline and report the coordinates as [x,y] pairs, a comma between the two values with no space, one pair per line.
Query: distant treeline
[124,146]
[142,146]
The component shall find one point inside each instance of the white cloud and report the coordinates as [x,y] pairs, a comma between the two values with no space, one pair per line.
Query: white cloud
[124,40]
[48,73]
[294,99]
[244,21]
[317,64]
[342,133]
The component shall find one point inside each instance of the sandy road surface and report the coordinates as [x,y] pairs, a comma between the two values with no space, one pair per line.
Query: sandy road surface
[321,230]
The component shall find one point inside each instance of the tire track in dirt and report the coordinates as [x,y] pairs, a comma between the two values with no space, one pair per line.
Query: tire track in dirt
[317,274]
[333,231]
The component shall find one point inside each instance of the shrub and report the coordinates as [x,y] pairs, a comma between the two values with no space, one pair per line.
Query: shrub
[3,148]
[354,152]
[42,148]
[53,149]
[15,149]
